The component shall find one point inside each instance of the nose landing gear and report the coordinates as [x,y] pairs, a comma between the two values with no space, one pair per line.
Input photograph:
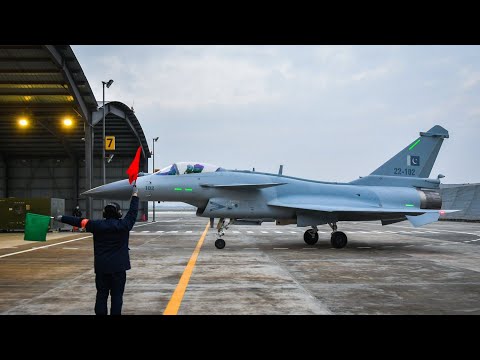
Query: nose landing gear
[221,227]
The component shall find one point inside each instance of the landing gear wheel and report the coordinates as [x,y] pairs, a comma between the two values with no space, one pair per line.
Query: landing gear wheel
[310,237]
[219,243]
[338,239]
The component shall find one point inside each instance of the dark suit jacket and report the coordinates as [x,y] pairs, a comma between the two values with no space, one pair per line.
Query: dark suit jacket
[110,239]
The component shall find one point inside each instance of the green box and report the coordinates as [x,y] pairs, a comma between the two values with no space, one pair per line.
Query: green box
[14,210]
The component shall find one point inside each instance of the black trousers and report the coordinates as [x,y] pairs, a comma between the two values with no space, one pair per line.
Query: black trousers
[113,284]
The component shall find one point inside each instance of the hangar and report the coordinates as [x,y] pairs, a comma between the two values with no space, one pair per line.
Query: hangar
[51,129]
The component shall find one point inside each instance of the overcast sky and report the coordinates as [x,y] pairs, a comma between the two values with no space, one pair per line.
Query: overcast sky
[329,113]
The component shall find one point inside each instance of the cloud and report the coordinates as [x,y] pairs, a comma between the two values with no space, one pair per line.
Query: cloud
[375,73]
[185,81]
[472,80]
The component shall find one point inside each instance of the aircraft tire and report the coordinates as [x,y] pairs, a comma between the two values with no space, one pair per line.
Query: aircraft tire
[338,240]
[219,243]
[308,238]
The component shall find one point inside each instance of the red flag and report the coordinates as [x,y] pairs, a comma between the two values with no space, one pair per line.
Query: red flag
[134,167]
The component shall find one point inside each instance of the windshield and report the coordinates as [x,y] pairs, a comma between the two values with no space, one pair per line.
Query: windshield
[181,168]
[169,170]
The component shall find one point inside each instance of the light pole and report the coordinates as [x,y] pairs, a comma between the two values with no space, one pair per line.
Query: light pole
[108,83]
[153,170]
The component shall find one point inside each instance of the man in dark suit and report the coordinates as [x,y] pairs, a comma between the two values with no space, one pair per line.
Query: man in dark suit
[110,246]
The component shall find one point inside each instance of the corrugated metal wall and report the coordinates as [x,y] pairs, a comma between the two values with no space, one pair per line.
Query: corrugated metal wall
[465,197]
[56,178]
[3,178]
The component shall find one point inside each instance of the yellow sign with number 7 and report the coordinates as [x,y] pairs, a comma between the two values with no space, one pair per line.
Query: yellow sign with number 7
[109,142]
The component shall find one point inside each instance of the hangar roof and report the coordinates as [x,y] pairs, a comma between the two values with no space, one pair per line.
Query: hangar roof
[44,84]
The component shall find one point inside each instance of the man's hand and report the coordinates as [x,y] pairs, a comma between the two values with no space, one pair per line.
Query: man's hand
[58,218]
[135,190]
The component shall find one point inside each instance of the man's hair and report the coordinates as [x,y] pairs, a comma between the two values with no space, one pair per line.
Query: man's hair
[112,210]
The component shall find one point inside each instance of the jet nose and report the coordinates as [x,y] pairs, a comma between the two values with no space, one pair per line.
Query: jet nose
[118,190]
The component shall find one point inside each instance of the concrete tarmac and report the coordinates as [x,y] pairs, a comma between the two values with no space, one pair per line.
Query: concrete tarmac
[268,269]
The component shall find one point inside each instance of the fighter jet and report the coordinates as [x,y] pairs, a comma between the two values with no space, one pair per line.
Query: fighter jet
[398,190]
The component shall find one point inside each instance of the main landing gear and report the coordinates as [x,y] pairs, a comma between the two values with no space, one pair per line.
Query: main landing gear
[221,227]
[338,239]
[311,235]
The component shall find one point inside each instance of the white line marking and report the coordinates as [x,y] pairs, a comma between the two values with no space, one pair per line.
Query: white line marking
[188,232]
[160,231]
[145,231]
[235,232]
[172,232]
[476,240]
[428,245]
[249,232]
[59,243]
[409,245]
[322,232]
[293,232]
[264,232]
[46,246]
[280,248]
[441,230]
[278,232]
[69,248]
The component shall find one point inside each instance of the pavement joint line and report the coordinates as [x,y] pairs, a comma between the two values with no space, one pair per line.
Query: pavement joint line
[176,300]
[316,300]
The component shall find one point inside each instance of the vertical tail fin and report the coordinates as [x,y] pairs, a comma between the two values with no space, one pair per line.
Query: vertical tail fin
[417,159]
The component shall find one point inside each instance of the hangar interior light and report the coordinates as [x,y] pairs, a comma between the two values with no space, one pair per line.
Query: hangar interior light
[23,122]
[67,122]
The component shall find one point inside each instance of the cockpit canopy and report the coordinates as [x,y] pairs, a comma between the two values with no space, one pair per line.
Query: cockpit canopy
[185,167]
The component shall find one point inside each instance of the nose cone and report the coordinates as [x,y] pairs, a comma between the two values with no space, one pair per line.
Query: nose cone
[118,190]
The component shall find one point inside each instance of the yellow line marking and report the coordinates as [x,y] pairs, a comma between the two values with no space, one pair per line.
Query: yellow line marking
[177,296]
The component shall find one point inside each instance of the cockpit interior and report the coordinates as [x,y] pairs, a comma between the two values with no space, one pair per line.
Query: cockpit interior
[186,167]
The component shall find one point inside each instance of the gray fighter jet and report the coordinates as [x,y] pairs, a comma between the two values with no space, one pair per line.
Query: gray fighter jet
[398,190]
